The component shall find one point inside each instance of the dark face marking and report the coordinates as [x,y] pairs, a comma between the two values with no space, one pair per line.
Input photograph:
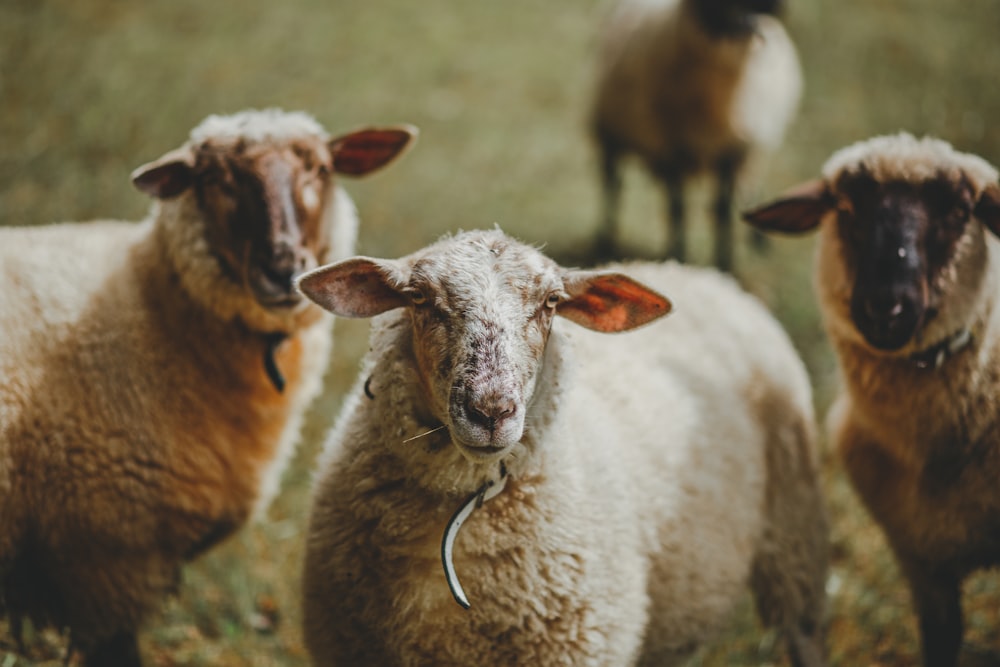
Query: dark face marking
[265,205]
[898,237]
[732,18]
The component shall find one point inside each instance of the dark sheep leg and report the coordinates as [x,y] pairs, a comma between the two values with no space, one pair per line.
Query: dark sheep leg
[122,650]
[937,599]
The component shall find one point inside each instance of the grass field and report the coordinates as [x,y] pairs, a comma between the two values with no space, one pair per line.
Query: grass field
[92,88]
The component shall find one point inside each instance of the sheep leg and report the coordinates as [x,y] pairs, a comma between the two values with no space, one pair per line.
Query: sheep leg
[937,598]
[17,630]
[612,188]
[675,216]
[805,645]
[789,576]
[122,650]
[726,171]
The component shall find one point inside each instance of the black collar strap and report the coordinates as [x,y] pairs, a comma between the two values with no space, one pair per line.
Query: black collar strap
[272,342]
[934,356]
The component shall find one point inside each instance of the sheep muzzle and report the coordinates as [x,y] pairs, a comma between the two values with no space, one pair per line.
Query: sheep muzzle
[281,244]
[486,424]
[889,299]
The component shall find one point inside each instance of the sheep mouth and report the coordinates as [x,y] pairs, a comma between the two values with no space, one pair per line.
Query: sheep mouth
[279,303]
[484,440]
[274,290]
[483,453]
[891,327]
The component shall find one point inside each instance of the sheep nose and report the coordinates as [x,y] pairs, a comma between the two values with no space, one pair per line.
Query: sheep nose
[489,412]
[886,310]
[887,320]
[283,265]
[280,276]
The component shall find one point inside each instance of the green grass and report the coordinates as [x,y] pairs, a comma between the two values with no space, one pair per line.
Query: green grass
[90,89]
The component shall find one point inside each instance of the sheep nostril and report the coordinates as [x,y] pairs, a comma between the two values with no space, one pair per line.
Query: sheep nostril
[491,413]
[279,276]
[878,309]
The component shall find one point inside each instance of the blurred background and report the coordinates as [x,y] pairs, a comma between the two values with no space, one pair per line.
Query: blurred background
[90,89]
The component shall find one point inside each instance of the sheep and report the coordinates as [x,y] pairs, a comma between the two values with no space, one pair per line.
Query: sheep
[906,273]
[156,374]
[629,487]
[690,86]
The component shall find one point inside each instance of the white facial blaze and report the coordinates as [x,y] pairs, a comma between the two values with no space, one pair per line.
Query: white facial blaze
[310,198]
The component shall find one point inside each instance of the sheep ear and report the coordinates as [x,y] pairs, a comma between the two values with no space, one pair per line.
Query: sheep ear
[356,287]
[798,210]
[988,208]
[168,176]
[610,302]
[364,151]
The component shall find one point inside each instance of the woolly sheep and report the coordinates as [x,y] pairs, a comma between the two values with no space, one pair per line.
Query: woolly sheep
[156,374]
[648,478]
[691,86]
[907,268]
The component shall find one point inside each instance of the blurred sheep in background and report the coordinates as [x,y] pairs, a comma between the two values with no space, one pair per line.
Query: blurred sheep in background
[691,87]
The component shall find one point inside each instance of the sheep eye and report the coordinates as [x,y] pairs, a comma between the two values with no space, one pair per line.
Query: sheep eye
[217,179]
[552,300]
[417,297]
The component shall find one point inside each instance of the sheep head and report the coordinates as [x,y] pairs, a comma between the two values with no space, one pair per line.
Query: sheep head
[904,234]
[481,307]
[262,182]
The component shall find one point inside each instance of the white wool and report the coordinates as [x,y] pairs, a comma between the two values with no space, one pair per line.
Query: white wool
[904,157]
[767,97]
[259,126]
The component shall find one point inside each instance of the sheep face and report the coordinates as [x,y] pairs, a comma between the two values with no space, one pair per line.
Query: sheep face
[898,248]
[897,241]
[264,200]
[481,308]
[479,336]
[264,203]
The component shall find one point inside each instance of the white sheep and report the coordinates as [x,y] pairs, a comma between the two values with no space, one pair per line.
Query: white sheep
[691,86]
[643,480]
[908,265]
[155,375]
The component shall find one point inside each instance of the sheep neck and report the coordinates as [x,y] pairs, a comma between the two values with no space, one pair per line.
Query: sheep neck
[396,397]
[188,318]
[489,489]
[935,356]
